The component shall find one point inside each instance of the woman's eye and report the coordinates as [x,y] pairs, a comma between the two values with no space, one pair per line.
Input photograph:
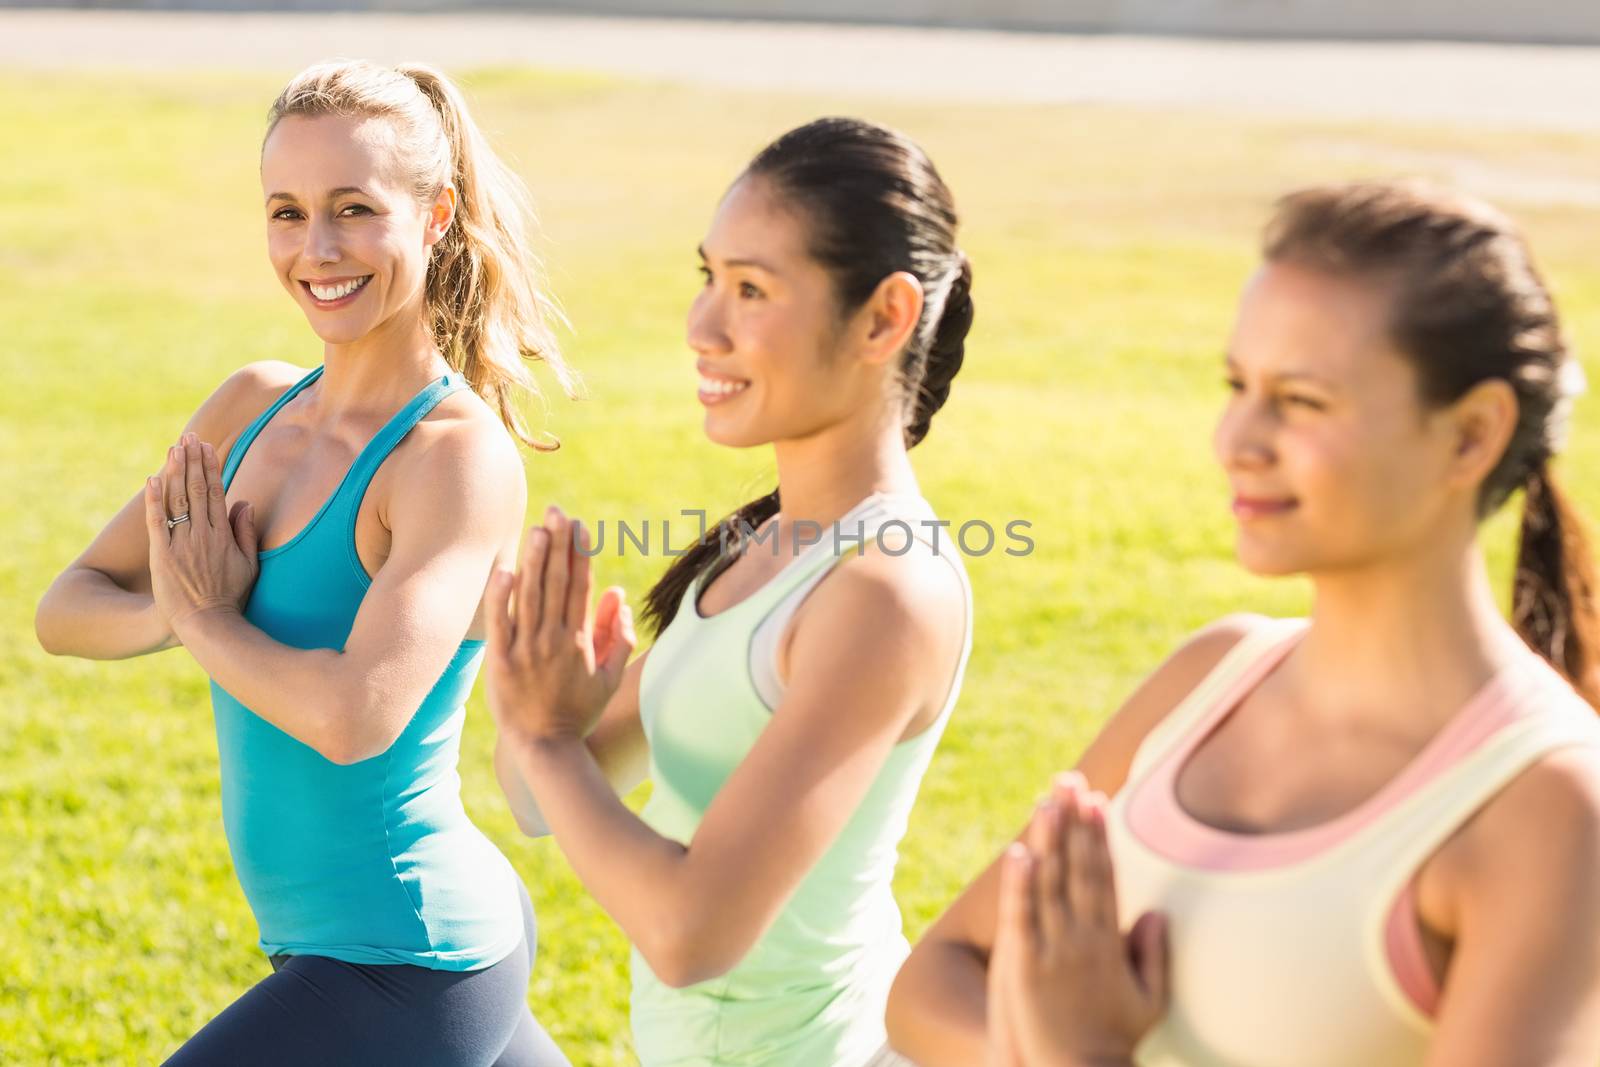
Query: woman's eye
[749,292]
[705,275]
[360,209]
[1300,400]
[1234,385]
[286,213]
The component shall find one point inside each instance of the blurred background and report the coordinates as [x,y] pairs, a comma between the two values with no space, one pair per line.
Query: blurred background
[1113,162]
[1561,21]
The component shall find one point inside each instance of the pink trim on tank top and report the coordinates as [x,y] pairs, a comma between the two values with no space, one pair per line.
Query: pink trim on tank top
[1408,960]
[1157,819]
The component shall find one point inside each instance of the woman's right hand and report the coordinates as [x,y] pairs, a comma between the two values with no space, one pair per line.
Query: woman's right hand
[208,560]
[553,661]
[1066,987]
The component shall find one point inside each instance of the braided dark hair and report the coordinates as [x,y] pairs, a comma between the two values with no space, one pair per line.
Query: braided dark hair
[1468,306]
[938,365]
[873,205]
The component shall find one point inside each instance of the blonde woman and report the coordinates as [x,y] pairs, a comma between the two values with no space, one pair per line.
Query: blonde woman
[319,543]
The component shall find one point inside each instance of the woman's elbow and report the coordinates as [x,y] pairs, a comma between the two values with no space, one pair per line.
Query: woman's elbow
[339,751]
[346,733]
[44,629]
[688,954]
[683,968]
[936,1008]
[899,1013]
[346,745]
[48,627]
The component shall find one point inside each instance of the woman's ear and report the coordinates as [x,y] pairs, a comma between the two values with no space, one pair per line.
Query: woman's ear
[891,314]
[440,216]
[1484,420]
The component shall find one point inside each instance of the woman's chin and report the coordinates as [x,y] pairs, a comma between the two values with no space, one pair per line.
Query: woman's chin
[333,334]
[729,434]
[1268,561]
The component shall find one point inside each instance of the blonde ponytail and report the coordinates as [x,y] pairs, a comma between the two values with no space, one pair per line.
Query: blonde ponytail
[485,300]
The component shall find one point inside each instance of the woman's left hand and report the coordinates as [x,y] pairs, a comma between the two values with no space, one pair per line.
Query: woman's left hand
[552,663]
[208,560]
[1066,987]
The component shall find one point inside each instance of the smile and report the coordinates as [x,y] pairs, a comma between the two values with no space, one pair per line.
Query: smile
[715,390]
[1260,508]
[336,292]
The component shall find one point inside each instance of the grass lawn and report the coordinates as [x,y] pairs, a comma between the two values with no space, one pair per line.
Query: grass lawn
[1108,247]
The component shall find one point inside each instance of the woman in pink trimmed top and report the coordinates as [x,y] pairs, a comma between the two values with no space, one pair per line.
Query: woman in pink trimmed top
[1370,839]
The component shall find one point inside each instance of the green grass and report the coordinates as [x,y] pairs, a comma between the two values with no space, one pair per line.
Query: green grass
[1108,244]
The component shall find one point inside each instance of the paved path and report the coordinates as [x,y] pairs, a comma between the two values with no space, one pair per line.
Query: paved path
[1515,85]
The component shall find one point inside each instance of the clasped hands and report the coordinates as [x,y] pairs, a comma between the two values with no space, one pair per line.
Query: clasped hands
[1066,987]
[553,658]
[206,561]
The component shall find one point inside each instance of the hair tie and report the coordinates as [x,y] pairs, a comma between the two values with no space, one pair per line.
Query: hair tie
[1538,472]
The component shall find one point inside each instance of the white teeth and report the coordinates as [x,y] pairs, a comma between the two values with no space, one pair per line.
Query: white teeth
[719,387]
[336,292]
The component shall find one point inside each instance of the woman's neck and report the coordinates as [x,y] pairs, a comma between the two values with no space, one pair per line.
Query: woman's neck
[1414,636]
[380,372]
[823,476]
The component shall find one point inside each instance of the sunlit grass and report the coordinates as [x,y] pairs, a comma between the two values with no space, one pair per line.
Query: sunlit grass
[1108,247]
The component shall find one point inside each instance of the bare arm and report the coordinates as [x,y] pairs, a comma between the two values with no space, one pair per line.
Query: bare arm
[618,746]
[101,606]
[464,493]
[939,1002]
[859,677]
[1523,987]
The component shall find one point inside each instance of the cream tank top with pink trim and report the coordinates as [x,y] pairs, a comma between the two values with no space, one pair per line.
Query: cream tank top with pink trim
[1303,948]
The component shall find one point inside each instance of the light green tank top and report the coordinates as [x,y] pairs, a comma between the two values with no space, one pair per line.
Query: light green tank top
[811,992]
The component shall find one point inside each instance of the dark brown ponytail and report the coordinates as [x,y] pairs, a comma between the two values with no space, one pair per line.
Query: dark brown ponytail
[873,205]
[1468,306]
[661,603]
[1553,602]
[944,354]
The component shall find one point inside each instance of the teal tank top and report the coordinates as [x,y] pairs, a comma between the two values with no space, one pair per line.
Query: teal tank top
[374,862]
[812,991]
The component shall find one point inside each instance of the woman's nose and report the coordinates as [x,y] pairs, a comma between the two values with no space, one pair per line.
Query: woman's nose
[1242,437]
[322,244]
[706,333]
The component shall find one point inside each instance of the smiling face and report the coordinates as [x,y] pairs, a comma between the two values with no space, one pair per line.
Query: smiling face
[775,361]
[345,232]
[1334,461]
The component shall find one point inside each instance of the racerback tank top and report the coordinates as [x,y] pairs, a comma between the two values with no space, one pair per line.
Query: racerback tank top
[812,991]
[374,862]
[1302,947]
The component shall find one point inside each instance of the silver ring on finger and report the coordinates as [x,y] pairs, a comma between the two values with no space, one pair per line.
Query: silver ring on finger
[171,523]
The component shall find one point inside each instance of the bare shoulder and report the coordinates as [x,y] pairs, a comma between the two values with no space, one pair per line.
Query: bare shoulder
[1560,794]
[1198,656]
[1106,761]
[913,587]
[269,375]
[461,456]
[911,605]
[241,396]
[1495,858]
[463,439]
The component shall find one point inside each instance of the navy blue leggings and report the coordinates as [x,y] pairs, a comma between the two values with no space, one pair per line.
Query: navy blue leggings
[313,1010]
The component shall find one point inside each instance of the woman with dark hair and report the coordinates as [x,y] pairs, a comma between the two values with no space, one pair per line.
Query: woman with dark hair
[800,679]
[1368,838]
